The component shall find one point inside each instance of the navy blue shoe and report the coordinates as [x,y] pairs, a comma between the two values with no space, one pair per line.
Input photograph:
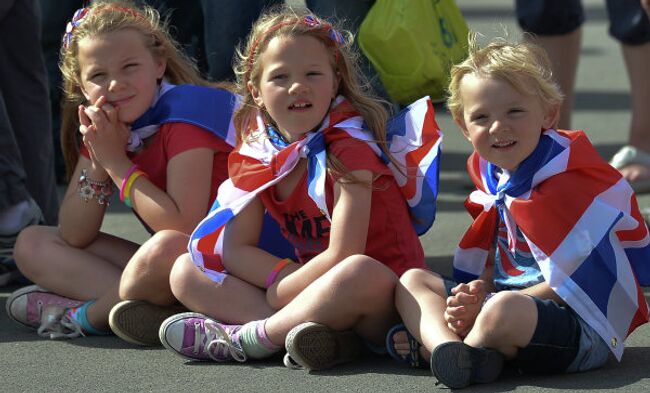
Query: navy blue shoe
[458,365]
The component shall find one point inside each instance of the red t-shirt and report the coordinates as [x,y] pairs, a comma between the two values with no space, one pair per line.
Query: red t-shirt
[175,138]
[391,237]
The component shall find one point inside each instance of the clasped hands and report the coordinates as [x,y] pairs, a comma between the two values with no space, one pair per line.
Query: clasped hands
[104,135]
[464,305]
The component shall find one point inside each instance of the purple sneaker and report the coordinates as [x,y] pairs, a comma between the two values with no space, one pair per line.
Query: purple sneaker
[194,336]
[26,305]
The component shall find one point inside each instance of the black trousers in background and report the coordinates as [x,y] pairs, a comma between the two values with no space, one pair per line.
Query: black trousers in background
[26,150]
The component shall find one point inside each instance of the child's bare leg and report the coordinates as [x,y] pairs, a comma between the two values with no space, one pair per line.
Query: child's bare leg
[420,298]
[72,272]
[146,276]
[92,273]
[506,323]
[356,294]
[234,301]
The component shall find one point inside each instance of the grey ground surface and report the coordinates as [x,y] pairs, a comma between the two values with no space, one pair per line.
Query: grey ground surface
[107,364]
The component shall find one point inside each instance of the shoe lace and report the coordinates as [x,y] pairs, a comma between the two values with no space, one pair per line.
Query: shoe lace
[217,342]
[56,324]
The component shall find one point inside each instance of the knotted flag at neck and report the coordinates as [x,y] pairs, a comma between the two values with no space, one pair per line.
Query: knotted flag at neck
[263,159]
[581,222]
[207,107]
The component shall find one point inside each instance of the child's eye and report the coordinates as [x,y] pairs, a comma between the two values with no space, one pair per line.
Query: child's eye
[96,76]
[516,110]
[130,66]
[478,117]
[314,73]
[278,77]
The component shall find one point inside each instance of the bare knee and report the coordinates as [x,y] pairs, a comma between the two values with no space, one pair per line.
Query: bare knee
[146,276]
[504,319]
[29,258]
[417,280]
[183,277]
[363,278]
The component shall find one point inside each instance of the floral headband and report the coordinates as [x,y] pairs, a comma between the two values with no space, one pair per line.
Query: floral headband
[82,13]
[308,20]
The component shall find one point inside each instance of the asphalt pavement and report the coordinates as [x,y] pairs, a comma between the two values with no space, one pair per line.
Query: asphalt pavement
[107,364]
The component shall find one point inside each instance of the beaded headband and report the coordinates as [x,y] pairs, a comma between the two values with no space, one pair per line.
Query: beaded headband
[81,14]
[308,20]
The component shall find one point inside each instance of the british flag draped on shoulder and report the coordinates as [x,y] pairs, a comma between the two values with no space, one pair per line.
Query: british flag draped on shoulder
[206,107]
[261,161]
[579,219]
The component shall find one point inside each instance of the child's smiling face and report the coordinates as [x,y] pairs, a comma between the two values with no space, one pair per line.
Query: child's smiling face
[119,66]
[503,124]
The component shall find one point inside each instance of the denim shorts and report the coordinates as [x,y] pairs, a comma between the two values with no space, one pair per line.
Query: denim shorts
[628,21]
[562,343]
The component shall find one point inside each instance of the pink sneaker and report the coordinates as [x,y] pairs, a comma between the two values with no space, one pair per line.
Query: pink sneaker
[194,336]
[26,305]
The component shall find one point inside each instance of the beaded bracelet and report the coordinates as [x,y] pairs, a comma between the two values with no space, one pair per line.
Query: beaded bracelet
[89,189]
[275,271]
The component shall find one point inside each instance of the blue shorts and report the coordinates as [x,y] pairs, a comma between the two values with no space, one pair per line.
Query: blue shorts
[562,343]
[629,23]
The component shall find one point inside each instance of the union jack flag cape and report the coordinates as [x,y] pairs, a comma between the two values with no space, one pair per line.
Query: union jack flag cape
[206,107]
[259,162]
[580,221]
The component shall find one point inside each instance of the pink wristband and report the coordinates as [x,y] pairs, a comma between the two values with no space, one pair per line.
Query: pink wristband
[275,271]
[125,179]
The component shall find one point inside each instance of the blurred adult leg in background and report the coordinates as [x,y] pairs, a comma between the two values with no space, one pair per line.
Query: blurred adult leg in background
[26,152]
[557,27]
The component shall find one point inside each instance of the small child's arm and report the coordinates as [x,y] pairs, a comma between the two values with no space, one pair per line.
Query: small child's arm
[241,255]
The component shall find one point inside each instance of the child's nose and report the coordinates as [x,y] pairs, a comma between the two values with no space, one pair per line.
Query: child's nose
[114,84]
[297,87]
[497,126]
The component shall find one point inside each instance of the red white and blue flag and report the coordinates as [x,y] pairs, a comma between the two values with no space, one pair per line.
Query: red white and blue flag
[260,161]
[579,219]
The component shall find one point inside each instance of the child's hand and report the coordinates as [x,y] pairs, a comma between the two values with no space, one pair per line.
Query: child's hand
[463,306]
[103,134]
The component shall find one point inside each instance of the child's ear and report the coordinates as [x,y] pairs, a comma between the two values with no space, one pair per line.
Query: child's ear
[552,117]
[255,93]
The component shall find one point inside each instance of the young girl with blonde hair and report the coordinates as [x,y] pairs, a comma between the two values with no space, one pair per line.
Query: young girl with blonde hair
[151,129]
[316,154]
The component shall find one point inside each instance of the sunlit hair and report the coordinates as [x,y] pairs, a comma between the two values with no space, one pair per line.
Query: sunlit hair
[524,65]
[104,17]
[283,21]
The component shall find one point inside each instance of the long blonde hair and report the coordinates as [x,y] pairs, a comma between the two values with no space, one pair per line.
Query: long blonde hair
[524,65]
[283,21]
[104,17]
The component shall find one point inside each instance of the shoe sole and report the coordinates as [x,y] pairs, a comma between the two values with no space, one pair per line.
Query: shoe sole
[317,347]
[456,364]
[15,295]
[138,321]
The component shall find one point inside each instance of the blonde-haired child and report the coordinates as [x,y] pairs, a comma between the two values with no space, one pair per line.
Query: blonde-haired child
[306,157]
[150,128]
[552,263]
